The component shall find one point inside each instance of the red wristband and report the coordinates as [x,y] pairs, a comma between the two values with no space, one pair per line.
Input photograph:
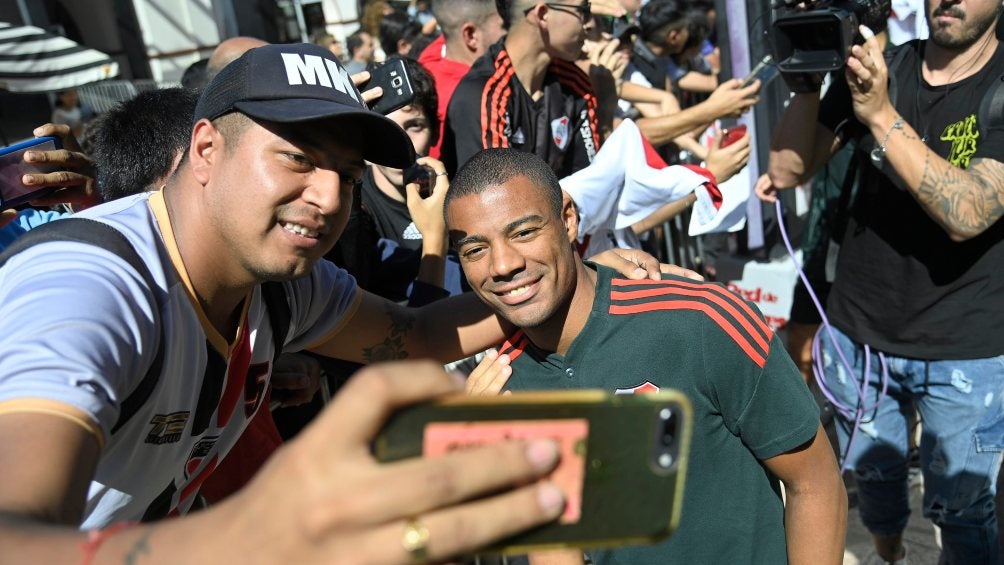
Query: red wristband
[98,536]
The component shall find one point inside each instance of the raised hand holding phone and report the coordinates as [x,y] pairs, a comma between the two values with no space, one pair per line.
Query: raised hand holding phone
[393,79]
[732,135]
[65,173]
[729,153]
[623,456]
[765,71]
[16,167]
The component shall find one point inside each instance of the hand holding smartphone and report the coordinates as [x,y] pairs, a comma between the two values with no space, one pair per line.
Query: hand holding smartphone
[398,92]
[623,457]
[765,71]
[13,167]
[732,135]
[422,175]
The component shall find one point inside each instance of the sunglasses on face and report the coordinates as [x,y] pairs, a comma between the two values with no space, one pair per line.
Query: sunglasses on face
[584,10]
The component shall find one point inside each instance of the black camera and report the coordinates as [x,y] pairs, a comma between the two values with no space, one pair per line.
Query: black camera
[815,36]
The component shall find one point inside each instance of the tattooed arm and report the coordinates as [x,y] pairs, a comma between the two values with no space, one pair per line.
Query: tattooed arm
[964,201]
[446,330]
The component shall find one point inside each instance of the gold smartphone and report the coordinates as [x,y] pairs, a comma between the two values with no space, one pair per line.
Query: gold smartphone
[623,457]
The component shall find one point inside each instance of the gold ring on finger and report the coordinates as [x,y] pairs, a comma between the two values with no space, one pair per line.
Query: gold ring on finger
[416,540]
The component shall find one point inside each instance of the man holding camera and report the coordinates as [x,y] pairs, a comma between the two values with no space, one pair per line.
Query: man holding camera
[916,306]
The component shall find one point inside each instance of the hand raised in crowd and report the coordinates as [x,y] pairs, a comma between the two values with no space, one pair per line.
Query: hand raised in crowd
[296,378]
[605,52]
[731,99]
[724,162]
[349,508]
[427,213]
[370,94]
[868,78]
[605,65]
[76,174]
[765,189]
[491,374]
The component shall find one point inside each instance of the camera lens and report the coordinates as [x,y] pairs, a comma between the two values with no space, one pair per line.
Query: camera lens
[668,429]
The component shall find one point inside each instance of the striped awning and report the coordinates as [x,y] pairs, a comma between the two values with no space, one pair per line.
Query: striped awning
[33,60]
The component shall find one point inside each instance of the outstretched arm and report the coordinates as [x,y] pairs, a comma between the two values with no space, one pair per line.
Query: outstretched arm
[322,498]
[730,99]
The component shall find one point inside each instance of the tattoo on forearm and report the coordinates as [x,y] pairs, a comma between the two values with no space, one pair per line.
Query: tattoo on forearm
[969,201]
[927,161]
[393,346]
[139,547]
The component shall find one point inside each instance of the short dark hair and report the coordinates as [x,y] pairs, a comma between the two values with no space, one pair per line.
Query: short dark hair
[135,143]
[395,27]
[426,97]
[196,76]
[658,16]
[492,167]
[355,41]
[505,8]
[698,26]
[452,14]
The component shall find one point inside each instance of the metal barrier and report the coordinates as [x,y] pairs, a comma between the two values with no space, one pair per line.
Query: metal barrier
[104,95]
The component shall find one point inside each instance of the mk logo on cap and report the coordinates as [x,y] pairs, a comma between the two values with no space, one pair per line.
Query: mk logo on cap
[314,70]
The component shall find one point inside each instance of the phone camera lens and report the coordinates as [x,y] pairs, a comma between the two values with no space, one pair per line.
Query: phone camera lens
[668,434]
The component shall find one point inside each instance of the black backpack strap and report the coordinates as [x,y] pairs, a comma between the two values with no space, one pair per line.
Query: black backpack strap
[992,107]
[279,313]
[93,232]
[894,59]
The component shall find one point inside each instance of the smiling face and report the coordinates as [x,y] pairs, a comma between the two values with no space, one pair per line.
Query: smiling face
[278,197]
[958,24]
[515,252]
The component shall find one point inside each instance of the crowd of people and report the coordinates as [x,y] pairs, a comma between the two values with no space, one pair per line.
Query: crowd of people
[236,245]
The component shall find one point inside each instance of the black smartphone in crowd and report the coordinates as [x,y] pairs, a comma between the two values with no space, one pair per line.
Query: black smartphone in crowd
[765,71]
[13,192]
[423,176]
[623,457]
[393,77]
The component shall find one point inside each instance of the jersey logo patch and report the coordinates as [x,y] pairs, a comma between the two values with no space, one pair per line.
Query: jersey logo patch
[645,388]
[559,132]
[167,428]
[200,451]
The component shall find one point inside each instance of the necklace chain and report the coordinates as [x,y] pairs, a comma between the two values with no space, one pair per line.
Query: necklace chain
[948,85]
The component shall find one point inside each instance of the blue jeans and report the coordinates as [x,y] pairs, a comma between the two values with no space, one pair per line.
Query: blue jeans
[961,405]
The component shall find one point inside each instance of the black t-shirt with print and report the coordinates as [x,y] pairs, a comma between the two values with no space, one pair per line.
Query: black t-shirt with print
[903,286]
[393,221]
